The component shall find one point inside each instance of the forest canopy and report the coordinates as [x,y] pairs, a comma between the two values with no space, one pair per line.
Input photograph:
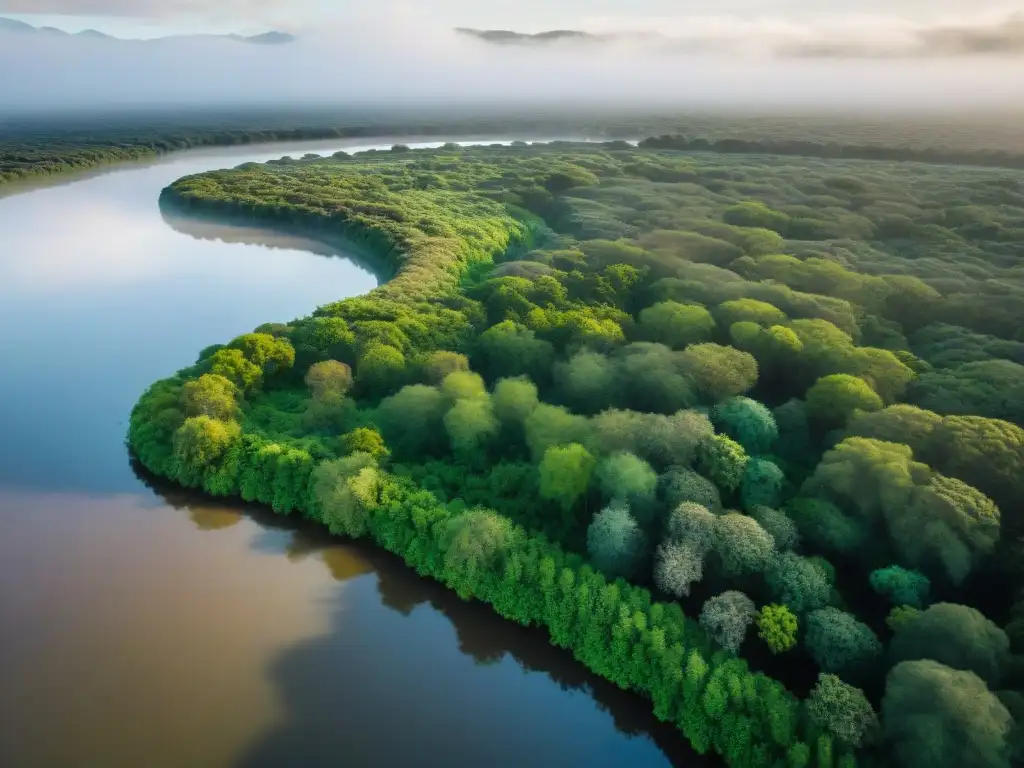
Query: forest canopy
[743,433]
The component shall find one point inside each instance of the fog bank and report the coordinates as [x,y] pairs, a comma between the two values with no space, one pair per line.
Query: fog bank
[414,64]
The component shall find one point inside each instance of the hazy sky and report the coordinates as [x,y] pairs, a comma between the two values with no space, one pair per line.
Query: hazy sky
[895,54]
[146,18]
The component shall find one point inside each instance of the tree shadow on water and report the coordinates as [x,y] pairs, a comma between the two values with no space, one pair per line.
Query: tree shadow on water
[391,688]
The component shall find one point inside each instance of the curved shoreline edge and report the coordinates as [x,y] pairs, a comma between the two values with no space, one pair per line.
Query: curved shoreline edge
[118,155]
[614,628]
[115,155]
[395,266]
[174,206]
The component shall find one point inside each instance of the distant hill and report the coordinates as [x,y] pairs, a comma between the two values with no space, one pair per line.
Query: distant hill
[561,36]
[21,28]
[508,36]
[269,38]
[997,37]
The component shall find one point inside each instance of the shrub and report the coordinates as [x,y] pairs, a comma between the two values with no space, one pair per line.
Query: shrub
[741,545]
[677,325]
[676,568]
[901,586]
[762,484]
[692,525]
[723,460]
[680,485]
[937,717]
[798,583]
[615,541]
[777,626]
[726,618]
[843,711]
[748,422]
[839,643]
[955,635]
[834,399]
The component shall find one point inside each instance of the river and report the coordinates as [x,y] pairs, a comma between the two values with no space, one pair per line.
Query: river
[142,626]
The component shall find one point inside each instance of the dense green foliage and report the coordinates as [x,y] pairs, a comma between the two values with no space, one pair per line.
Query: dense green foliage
[808,148]
[777,626]
[632,395]
[957,635]
[842,710]
[937,717]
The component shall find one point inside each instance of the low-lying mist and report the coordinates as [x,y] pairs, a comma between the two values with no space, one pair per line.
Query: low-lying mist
[378,64]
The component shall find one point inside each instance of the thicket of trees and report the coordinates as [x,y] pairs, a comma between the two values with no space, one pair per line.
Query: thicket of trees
[679,410]
[832,149]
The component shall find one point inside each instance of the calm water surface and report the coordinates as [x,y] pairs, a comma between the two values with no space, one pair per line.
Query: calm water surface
[140,626]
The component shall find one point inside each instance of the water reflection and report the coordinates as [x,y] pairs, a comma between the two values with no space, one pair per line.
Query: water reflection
[239,232]
[344,563]
[218,230]
[400,670]
[154,628]
[213,518]
[130,639]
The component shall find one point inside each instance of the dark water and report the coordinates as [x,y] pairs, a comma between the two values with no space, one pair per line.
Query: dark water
[143,627]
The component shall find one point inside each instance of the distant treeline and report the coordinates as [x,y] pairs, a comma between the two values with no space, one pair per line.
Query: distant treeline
[833,151]
[46,158]
[32,146]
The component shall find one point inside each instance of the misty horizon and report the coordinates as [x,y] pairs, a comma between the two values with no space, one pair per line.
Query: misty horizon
[750,65]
